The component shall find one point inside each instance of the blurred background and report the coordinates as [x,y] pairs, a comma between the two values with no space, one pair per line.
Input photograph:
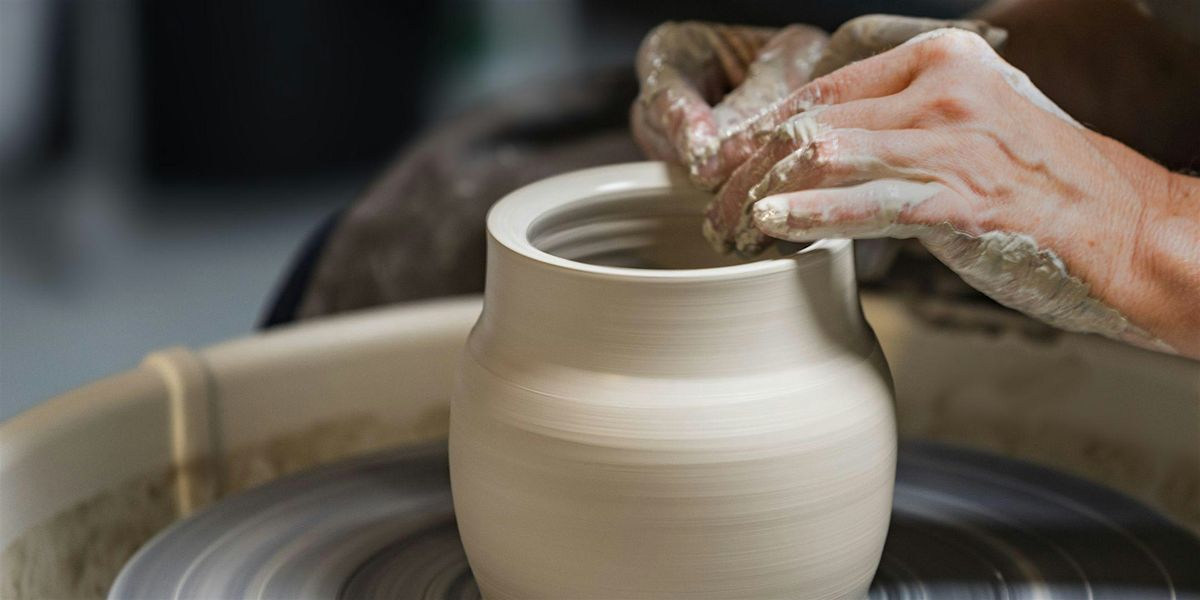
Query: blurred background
[161,163]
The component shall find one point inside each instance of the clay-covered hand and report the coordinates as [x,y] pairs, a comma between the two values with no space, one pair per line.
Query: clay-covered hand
[940,139]
[708,91]
[700,82]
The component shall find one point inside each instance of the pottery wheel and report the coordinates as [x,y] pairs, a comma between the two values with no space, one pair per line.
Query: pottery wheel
[964,525]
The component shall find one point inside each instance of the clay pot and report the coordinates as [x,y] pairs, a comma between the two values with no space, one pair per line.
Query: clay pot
[638,417]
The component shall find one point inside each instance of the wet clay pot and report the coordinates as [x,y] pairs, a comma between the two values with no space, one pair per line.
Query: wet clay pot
[637,417]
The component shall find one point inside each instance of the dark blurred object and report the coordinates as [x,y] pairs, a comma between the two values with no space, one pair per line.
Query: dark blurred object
[33,80]
[274,87]
[230,91]
[419,231]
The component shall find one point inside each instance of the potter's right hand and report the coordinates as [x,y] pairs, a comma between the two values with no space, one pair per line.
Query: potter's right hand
[943,141]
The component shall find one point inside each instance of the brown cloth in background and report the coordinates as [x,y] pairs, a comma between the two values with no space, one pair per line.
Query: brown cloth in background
[419,230]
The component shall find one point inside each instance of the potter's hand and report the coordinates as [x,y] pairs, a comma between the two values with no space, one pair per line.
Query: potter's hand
[708,90]
[683,115]
[942,140]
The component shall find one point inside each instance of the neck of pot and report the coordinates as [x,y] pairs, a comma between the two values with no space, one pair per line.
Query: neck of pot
[758,316]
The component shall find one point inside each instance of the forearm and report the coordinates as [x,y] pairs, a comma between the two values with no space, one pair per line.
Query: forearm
[1167,263]
[1112,67]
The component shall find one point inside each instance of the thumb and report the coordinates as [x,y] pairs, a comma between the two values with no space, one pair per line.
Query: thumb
[881,208]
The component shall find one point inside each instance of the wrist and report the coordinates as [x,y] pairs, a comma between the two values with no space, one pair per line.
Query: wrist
[1184,191]
[1166,257]
[1151,245]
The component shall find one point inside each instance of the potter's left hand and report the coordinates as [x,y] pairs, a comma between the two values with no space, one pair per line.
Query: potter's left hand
[942,140]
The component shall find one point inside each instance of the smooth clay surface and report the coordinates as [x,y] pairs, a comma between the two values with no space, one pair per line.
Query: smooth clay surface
[660,432]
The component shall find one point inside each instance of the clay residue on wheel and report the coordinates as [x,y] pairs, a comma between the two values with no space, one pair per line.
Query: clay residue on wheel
[328,442]
[77,553]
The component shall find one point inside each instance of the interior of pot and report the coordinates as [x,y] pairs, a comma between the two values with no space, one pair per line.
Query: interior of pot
[646,231]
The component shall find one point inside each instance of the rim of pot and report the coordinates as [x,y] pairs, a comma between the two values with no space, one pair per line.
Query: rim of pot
[511,221]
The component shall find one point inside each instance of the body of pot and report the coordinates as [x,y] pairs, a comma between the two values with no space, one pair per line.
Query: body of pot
[627,432]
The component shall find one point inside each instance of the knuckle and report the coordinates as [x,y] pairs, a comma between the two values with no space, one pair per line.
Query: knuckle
[798,130]
[825,90]
[824,156]
[948,45]
[950,107]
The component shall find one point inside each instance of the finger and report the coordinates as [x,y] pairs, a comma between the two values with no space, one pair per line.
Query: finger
[736,48]
[879,76]
[876,77]
[892,112]
[903,110]
[727,214]
[706,57]
[688,124]
[659,108]
[804,154]
[648,137]
[919,106]
[795,50]
[682,68]
[675,124]
[868,35]
[790,151]
[898,208]
[782,65]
